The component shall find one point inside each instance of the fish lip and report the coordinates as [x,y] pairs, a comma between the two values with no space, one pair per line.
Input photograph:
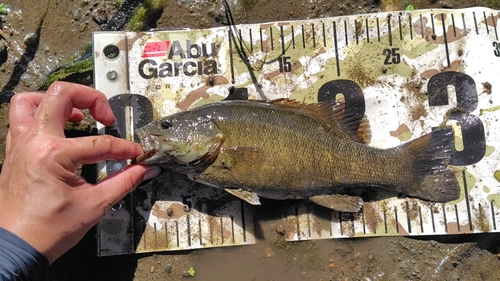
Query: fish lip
[148,146]
[143,158]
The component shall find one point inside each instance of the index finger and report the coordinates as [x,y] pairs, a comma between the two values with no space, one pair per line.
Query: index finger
[58,102]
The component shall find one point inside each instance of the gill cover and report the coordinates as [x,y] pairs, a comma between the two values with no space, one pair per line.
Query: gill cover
[179,138]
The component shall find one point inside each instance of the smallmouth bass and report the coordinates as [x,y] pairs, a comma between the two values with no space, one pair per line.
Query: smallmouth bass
[288,150]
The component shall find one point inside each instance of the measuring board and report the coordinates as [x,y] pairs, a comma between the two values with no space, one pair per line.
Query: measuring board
[406,72]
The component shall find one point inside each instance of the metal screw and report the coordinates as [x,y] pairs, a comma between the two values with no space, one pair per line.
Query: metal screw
[112,75]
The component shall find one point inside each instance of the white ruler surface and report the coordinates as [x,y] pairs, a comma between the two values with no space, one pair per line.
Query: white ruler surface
[407,71]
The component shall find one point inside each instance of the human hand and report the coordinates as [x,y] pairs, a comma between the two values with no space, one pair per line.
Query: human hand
[42,200]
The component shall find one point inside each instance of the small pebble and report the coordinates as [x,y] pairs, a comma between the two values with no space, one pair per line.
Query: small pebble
[168,268]
[100,16]
[30,39]
[75,14]
[152,269]
[83,26]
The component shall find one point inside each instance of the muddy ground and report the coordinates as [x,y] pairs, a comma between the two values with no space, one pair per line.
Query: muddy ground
[66,25]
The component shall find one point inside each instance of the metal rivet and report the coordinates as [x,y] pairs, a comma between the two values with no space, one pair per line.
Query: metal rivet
[117,166]
[112,75]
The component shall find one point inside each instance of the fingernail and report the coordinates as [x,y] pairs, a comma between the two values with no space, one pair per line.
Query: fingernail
[151,172]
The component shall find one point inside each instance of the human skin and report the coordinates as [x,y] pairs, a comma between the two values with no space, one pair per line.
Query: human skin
[42,200]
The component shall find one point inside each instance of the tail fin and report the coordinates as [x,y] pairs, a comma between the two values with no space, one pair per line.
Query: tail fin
[431,179]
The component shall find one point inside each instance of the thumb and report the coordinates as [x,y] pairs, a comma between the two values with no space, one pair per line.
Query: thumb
[114,187]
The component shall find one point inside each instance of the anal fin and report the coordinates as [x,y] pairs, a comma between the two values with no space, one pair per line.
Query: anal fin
[244,195]
[339,202]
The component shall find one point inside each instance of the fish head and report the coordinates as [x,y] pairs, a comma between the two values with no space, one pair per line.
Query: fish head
[180,138]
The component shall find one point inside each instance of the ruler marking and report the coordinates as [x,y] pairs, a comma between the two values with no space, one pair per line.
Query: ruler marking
[303,37]
[341,226]
[481,215]
[367,31]
[232,228]
[313,35]
[411,27]
[331,221]
[389,29]
[432,219]
[243,223]
[363,220]
[486,23]
[396,218]
[166,234]
[463,22]
[272,40]
[475,22]
[199,232]
[408,221]
[282,41]
[422,26]
[421,219]
[241,38]
[444,219]
[492,208]
[356,31]
[297,222]
[221,231]
[251,40]
[293,37]
[385,221]
[188,229]
[337,61]
[308,225]
[177,232]
[351,218]
[261,43]
[211,230]
[453,23]
[324,34]
[445,41]
[145,242]
[345,31]
[467,199]
[400,28]
[432,24]
[378,30]
[456,216]
[156,238]
[494,25]
[231,62]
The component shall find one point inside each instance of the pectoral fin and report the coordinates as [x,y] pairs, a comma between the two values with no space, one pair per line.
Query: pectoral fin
[244,195]
[339,202]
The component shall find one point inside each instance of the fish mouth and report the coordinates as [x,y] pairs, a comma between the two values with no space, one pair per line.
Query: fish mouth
[143,158]
[148,146]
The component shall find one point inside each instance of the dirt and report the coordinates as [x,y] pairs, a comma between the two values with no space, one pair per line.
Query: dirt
[66,25]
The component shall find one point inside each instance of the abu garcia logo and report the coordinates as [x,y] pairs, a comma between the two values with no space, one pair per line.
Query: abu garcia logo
[194,59]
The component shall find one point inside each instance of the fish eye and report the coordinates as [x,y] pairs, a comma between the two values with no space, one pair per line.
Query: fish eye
[165,124]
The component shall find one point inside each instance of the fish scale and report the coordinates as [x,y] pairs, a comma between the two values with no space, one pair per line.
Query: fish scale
[405,69]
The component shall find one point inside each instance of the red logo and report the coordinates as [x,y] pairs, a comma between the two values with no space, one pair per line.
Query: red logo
[155,49]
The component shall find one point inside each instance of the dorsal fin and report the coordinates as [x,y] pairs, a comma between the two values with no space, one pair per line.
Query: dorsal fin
[332,113]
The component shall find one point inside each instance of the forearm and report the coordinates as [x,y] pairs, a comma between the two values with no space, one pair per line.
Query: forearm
[18,259]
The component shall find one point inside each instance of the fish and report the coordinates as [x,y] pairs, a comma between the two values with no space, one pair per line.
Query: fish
[285,149]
